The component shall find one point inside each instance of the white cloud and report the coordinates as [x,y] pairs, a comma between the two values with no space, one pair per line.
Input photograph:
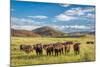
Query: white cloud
[25,27]
[74,28]
[81,12]
[80,27]
[24,23]
[63,17]
[76,13]
[89,15]
[21,21]
[77,27]
[89,9]
[38,17]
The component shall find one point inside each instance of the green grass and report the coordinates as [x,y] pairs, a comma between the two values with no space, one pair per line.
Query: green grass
[87,51]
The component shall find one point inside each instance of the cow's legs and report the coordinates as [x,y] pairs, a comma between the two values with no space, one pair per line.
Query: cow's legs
[47,53]
[52,52]
[78,52]
[75,52]
[36,53]
[62,50]
[41,52]
[55,52]
[65,50]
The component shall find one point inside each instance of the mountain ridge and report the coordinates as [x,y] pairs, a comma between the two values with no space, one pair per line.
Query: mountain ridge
[46,31]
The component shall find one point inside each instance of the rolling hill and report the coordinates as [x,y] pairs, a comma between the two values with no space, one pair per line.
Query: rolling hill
[23,33]
[48,32]
[39,32]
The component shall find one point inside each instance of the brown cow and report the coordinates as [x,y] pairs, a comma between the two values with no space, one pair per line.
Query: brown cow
[58,48]
[90,42]
[49,49]
[26,48]
[67,46]
[76,48]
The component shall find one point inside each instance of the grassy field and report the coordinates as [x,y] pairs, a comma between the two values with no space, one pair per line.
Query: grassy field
[87,51]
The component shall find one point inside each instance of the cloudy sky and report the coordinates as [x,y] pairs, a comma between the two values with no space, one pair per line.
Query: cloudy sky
[64,17]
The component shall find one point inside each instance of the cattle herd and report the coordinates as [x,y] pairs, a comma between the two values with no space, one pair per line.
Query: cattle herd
[52,48]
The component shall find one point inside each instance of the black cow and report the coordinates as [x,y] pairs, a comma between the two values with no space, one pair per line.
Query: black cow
[38,49]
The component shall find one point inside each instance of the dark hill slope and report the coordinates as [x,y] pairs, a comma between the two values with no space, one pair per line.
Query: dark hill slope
[48,32]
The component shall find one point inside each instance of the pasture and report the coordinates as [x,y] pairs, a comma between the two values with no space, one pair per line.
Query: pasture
[87,51]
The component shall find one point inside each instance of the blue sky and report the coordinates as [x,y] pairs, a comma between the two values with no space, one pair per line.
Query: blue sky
[64,17]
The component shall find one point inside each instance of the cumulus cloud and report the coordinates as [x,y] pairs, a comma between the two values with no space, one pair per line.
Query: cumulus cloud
[25,27]
[74,28]
[38,17]
[21,21]
[80,27]
[89,15]
[63,17]
[24,21]
[81,12]
[76,13]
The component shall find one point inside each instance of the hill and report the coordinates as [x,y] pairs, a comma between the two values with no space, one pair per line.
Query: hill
[23,33]
[48,32]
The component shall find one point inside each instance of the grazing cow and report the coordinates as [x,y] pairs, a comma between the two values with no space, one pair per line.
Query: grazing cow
[58,48]
[90,42]
[38,49]
[76,48]
[26,48]
[49,49]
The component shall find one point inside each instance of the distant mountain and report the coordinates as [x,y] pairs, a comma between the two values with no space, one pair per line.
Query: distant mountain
[82,32]
[23,33]
[92,33]
[48,32]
